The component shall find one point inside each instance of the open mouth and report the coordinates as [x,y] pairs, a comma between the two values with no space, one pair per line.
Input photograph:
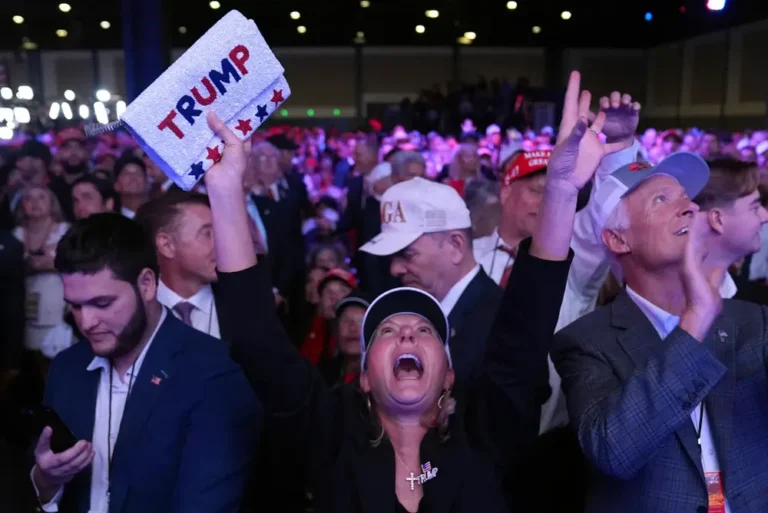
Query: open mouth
[408,367]
[681,231]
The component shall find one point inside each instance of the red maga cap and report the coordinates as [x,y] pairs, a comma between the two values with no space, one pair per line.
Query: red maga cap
[524,164]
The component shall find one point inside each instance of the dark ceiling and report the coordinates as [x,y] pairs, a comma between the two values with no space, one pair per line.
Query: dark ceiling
[607,23]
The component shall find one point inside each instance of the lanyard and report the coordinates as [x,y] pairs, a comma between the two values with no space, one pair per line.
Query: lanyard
[701,421]
[109,425]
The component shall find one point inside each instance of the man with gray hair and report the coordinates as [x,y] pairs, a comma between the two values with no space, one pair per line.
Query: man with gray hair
[407,165]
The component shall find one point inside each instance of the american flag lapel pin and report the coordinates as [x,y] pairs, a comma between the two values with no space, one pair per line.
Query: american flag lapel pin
[156,380]
[428,472]
[723,335]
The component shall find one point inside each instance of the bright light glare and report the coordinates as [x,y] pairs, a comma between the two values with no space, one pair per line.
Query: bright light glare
[84,111]
[21,114]
[537,29]
[511,6]
[100,111]
[105,24]
[420,29]
[69,94]
[6,114]
[62,33]
[119,109]
[301,29]
[365,4]
[470,35]
[6,133]
[18,20]
[432,13]
[715,5]
[214,4]
[295,15]
[6,93]
[66,110]
[103,95]
[25,93]
[53,113]
[65,7]
[566,15]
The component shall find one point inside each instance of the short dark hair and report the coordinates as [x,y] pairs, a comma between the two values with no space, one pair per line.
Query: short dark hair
[104,187]
[106,241]
[729,180]
[163,212]
[126,160]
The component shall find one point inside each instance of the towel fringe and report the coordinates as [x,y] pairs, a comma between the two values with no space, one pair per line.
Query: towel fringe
[95,129]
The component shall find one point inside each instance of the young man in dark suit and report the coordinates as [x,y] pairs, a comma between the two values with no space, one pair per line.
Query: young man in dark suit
[166,421]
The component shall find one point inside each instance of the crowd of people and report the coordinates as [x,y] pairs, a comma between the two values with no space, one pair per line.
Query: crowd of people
[559,321]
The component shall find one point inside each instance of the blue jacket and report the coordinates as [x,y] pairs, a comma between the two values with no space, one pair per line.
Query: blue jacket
[186,443]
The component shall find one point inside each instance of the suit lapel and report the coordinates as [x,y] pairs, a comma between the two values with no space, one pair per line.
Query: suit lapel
[374,479]
[222,315]
[155,373]
[466,302]
[719,403]
[638,340]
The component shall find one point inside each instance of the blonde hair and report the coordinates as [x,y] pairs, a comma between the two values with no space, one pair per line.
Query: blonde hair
[20,216]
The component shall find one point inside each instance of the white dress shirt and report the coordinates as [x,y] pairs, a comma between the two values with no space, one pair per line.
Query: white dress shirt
[101,430]
[493,260]
[453,295]
[664,322]
[204,316]
[130,214]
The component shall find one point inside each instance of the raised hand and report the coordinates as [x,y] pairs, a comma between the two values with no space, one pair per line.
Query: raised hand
[701,287]
[230,170]
[579,151]
[53,470]
[622,116]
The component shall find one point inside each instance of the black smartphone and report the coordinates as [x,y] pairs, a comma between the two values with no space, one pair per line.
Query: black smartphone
[36,418]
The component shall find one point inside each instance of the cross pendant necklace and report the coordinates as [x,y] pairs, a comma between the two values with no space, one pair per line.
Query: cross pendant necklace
[413,480]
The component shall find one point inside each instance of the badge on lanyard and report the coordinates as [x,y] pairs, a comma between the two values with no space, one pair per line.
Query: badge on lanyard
[715,492]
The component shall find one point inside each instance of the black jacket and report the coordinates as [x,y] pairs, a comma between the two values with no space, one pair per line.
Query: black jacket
[493,430]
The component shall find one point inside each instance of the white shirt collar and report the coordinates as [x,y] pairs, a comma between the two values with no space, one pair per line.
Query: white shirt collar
[663,322]
[130,214]
[202,300]
[453,295]
[99,362]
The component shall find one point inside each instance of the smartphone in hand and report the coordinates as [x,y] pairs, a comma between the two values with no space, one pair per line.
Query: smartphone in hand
[36,418]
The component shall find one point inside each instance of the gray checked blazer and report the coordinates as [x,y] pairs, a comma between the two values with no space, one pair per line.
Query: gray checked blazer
[630,396]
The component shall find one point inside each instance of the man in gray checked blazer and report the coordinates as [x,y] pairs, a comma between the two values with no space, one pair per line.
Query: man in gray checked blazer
[667,387]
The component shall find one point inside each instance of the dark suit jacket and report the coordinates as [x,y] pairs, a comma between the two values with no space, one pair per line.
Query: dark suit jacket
[11,301]
[185,444]
[630,396]
[278,242]
[497,417]
[471,321]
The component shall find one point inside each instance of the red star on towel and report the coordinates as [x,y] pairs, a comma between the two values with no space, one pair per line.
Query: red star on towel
[277,96]
[213,154]
[244,125]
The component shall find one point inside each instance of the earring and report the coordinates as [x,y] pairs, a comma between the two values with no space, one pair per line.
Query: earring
[368,402]
[440,401]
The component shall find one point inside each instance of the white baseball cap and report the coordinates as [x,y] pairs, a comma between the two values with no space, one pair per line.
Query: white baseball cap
[689,169]
[415,207]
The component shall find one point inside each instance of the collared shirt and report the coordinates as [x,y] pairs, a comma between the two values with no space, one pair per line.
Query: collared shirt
[130,214]
[253,213]
[103,428]
[664,322]
[204,316]
[453,295]
[491,257]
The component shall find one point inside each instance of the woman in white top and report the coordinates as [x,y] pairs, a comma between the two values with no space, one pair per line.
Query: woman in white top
[40,228]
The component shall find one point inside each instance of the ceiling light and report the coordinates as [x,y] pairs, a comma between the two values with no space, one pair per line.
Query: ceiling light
[6,93]
[21,114]
[18,20]
[511,6]
[25,93]
[420,29]
[6,114]
[6,133]
[69,95]
[120,109]
[470,35]
[61,33]
[365,4]
[55,109]
[100,111]
[103,95]
[84,111]
[182,30]
[432,13]
[566,15]
[715,5]
[536,29]
[301,29]
[464,41]
[214,4]
[105,25]
[295,15]
[65,7]
[66,110]
[360,35]
[648,16]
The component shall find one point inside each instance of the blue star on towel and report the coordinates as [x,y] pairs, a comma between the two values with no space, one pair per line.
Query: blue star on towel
[197,170]
[261,113]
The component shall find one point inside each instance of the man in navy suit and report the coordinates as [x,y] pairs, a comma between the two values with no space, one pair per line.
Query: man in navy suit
[166,421]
